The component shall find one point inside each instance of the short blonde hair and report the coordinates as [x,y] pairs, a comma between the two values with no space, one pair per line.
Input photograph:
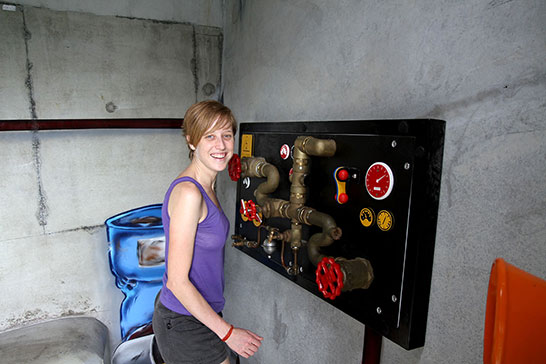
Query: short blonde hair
[203,116]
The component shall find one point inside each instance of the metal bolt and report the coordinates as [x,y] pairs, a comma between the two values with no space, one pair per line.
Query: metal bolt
[301,269]
[393,143]
[379,310]
[290,263]
[240,225]
[406,166]
[394,298]
[355,176]
[269,256]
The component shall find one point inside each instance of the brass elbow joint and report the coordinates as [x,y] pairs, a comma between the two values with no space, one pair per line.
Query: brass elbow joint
[259,167]
[316,147]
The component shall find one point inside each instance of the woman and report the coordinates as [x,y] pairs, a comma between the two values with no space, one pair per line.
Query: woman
[187,321]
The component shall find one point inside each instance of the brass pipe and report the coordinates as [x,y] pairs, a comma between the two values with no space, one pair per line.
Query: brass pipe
[274,207]
[294,269]
[298,191]
[357,273]
[251,166]
[242,241]
[330,232]
[282,256]
[270,185]
[259,167]
[315,147]
[304,147]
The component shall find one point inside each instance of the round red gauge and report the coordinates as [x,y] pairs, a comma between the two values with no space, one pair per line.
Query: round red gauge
[379,180]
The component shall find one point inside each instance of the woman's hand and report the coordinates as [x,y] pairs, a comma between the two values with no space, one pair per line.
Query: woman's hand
[244,342]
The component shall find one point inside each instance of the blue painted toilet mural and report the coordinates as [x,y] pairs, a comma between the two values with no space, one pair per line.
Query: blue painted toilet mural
[137,260]
[136,252]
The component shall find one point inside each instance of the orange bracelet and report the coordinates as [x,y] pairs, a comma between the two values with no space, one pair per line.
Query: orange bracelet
[228,333]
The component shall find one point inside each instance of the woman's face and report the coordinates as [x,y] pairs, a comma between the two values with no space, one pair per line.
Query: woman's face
[215,148]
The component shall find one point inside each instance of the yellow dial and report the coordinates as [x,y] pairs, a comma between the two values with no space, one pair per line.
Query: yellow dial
[385,220]
[367,217]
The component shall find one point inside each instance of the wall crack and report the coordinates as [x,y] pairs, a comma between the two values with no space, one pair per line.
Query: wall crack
[194,64]
[43,210]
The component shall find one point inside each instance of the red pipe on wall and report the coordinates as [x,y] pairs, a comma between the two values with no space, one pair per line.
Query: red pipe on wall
[372,346]
[61,124]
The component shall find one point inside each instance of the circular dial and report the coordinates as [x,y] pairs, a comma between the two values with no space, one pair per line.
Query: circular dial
[385,220]
[367,217]
[379,180]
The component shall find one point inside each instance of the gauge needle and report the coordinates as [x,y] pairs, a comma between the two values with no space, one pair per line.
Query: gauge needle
[380,178]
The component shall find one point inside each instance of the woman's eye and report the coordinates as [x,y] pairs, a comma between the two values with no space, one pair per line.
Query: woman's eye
[228,136]
[210,137]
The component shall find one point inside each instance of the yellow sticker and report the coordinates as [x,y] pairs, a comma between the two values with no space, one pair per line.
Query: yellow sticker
[367,217]
[385,220]
[246,145]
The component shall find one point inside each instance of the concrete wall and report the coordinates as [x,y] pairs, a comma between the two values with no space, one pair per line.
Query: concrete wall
[58,187]
[203,12]
[479,65]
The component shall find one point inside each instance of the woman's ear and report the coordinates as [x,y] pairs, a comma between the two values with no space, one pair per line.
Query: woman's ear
[190,144]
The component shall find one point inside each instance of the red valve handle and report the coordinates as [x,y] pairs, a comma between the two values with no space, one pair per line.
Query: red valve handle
[329,278]
[234,167]
[251,210]
[248,209]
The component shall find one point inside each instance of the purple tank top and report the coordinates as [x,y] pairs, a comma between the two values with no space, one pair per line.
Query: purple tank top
[207,267]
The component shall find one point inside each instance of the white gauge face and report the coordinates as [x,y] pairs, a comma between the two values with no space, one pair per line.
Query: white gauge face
[379,180]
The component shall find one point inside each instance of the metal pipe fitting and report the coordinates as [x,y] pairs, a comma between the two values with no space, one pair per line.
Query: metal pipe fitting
[295,239]
[357,273]
[304,147]
[330,232]
[273,207]
[294,269]
[270,185]
[242,241]
[250,166]
[259,167]
[315,147]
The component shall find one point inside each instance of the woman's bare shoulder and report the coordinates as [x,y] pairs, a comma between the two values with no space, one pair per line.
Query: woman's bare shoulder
[187,192]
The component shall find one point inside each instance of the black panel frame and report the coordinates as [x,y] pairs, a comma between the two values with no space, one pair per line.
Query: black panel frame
[423,140]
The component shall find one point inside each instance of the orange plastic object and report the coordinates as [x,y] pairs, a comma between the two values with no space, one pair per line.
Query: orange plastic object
[515,318]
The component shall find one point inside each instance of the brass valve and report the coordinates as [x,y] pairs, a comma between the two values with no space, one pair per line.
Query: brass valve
[239,241]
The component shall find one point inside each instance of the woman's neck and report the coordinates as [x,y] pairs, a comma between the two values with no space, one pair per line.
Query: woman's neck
[204,176]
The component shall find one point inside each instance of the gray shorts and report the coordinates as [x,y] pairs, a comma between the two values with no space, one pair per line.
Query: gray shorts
[183,339]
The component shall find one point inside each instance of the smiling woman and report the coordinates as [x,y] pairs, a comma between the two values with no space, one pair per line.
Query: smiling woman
[188,322]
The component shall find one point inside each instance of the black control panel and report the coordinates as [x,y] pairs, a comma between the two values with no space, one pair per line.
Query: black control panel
[379,181]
